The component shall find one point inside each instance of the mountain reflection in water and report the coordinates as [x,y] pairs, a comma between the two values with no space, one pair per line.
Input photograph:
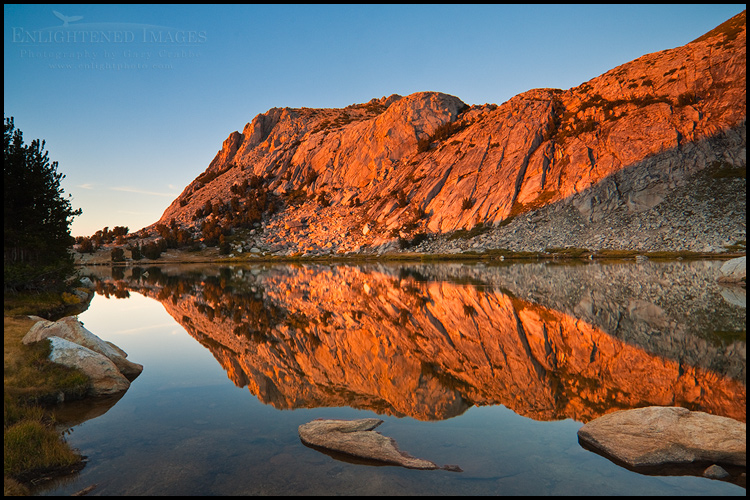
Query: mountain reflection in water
[428,341]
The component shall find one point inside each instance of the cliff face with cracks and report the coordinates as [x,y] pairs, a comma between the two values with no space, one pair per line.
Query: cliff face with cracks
[427,162]
[414,341]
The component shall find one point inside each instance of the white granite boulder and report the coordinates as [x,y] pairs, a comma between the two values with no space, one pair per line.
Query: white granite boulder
[76,347]
[71,329]
[105,377]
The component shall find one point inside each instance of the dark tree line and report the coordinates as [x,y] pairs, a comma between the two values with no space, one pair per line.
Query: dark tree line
[102,237]
[36,216]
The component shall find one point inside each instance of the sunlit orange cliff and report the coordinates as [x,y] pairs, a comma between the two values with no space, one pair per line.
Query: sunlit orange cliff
[649,155]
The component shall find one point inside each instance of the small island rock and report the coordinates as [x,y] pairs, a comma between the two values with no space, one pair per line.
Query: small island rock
[656,436]
[357,438]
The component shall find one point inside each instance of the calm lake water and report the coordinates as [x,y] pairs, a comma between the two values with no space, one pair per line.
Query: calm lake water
[492,368]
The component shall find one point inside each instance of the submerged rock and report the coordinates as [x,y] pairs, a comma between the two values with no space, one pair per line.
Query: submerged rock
[659,436]
[357,438]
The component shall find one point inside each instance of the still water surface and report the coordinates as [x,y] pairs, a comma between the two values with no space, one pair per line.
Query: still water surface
[493,369]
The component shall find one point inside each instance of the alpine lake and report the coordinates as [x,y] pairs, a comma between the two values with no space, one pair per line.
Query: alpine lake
[490,367]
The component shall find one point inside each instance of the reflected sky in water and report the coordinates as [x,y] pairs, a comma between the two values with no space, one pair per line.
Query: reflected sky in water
[186,427]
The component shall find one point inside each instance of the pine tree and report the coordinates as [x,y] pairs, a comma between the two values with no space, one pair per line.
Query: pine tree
[135,252]
[117,255]
[36,216]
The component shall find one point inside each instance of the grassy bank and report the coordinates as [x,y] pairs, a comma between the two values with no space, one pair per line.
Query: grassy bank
[33,449]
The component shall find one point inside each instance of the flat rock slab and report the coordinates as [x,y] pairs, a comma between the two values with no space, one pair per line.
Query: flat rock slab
[658,436]
[357,438]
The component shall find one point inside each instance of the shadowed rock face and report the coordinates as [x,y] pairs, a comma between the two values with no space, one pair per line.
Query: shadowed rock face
[430,341]
[428,162]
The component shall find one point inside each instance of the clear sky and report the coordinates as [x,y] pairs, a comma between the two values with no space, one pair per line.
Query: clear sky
[134,101]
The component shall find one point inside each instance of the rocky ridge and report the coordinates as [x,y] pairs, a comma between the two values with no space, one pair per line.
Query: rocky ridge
[629,159]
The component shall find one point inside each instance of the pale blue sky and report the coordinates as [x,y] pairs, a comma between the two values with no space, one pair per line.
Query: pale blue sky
[134,101]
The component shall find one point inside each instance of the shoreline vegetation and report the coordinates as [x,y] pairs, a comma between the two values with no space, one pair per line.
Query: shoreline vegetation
[34,450]
[39,279]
